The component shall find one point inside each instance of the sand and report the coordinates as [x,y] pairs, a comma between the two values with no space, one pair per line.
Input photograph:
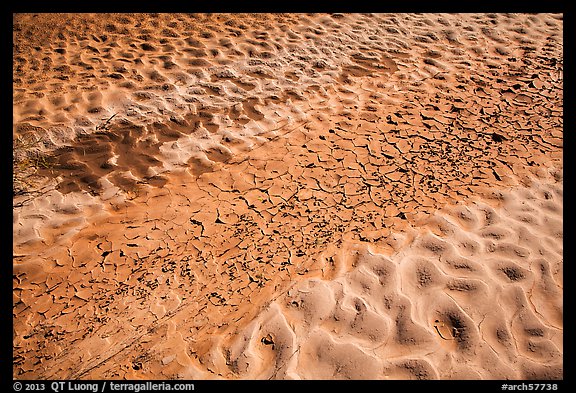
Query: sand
[288,196]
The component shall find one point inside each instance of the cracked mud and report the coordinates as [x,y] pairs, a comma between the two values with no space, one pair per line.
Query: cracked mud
[290,196]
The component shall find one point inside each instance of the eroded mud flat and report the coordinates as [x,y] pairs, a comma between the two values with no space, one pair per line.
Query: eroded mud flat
[291,196]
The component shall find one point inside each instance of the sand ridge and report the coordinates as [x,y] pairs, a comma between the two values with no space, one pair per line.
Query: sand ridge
[207,168]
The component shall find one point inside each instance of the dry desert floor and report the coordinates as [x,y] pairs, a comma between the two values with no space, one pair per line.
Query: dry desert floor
[288,196]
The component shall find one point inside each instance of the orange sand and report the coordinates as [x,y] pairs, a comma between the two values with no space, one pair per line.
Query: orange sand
[290,196]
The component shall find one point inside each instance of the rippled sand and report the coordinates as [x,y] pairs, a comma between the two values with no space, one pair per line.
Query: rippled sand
[290,196]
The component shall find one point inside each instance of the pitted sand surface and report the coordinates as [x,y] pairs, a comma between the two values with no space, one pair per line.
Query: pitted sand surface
[290,196]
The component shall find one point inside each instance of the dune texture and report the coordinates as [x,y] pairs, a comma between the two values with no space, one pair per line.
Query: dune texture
[288,196]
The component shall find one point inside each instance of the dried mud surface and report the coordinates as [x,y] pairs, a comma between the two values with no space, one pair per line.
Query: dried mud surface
[291,196]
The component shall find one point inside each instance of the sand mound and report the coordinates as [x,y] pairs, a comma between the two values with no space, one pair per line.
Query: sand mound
[289,196]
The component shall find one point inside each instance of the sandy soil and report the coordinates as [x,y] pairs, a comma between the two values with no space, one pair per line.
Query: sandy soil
[289,196]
